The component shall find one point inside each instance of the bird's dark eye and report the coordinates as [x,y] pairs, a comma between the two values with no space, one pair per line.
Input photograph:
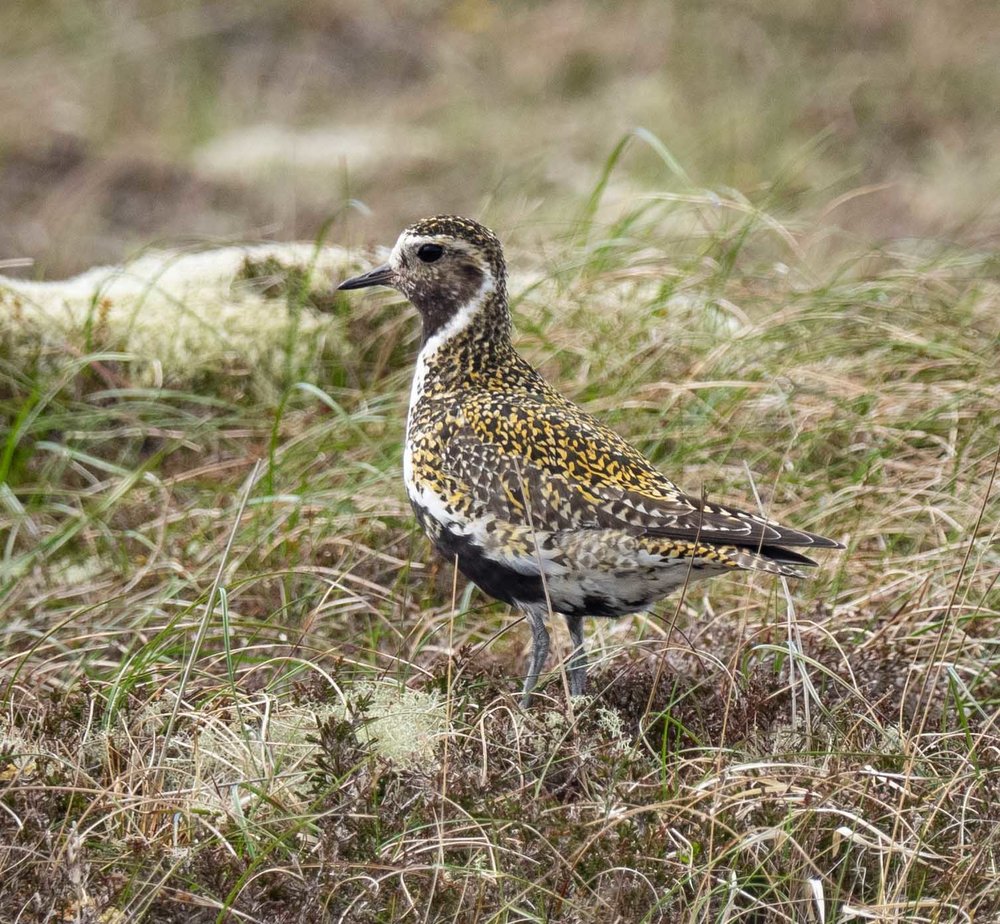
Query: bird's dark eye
[430,252]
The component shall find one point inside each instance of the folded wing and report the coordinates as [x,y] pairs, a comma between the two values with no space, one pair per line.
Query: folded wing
[552,466]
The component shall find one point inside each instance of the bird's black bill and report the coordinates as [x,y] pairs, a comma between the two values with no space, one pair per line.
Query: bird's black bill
[380,276]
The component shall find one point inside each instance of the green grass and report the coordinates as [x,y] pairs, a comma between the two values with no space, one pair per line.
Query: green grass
[237,685]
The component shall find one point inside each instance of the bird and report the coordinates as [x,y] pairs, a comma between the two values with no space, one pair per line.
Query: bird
[535,500]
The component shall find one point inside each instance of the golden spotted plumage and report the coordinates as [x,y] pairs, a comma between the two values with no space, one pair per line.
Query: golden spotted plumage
[539,503]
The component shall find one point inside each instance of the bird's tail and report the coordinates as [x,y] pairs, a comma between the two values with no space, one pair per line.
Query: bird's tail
[773,560]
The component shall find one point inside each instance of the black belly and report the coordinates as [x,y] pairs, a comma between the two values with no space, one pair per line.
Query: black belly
[514,587]
[490,576]
[508,585]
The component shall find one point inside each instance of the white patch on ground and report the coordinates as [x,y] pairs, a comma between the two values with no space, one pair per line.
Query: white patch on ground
[233,761]
[175,312]
[403,725]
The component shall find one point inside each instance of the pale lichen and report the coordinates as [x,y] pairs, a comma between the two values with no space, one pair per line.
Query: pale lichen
[175,314]
[402,725]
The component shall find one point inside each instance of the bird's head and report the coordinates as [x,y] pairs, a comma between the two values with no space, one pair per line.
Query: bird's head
[448,267]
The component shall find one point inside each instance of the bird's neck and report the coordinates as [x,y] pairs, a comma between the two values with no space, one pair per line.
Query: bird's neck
[471,345]
[446,312]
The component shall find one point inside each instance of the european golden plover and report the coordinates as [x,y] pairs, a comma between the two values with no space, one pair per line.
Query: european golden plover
[536,501]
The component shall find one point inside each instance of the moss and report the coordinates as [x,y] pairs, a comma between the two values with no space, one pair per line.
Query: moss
[277,279]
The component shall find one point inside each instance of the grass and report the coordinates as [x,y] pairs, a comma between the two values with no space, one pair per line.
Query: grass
[237,685]
[149,120]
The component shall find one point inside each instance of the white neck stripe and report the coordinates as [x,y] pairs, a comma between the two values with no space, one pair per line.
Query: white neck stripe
[457,323]
[459,320]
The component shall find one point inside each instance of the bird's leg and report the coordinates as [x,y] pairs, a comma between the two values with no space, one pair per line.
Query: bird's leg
[539,652]
[578,659]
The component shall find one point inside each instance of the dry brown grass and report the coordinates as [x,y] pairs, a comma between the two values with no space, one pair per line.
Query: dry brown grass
[237,686]
[235,683]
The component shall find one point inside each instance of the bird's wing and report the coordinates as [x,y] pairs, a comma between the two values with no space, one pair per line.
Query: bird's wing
[553,466]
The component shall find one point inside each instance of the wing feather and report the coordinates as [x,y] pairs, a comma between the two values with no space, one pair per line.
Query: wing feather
[545,463]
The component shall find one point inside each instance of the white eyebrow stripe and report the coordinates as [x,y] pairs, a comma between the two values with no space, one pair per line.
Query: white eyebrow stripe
[449,243]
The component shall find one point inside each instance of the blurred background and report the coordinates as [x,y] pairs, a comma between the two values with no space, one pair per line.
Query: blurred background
[125,123]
